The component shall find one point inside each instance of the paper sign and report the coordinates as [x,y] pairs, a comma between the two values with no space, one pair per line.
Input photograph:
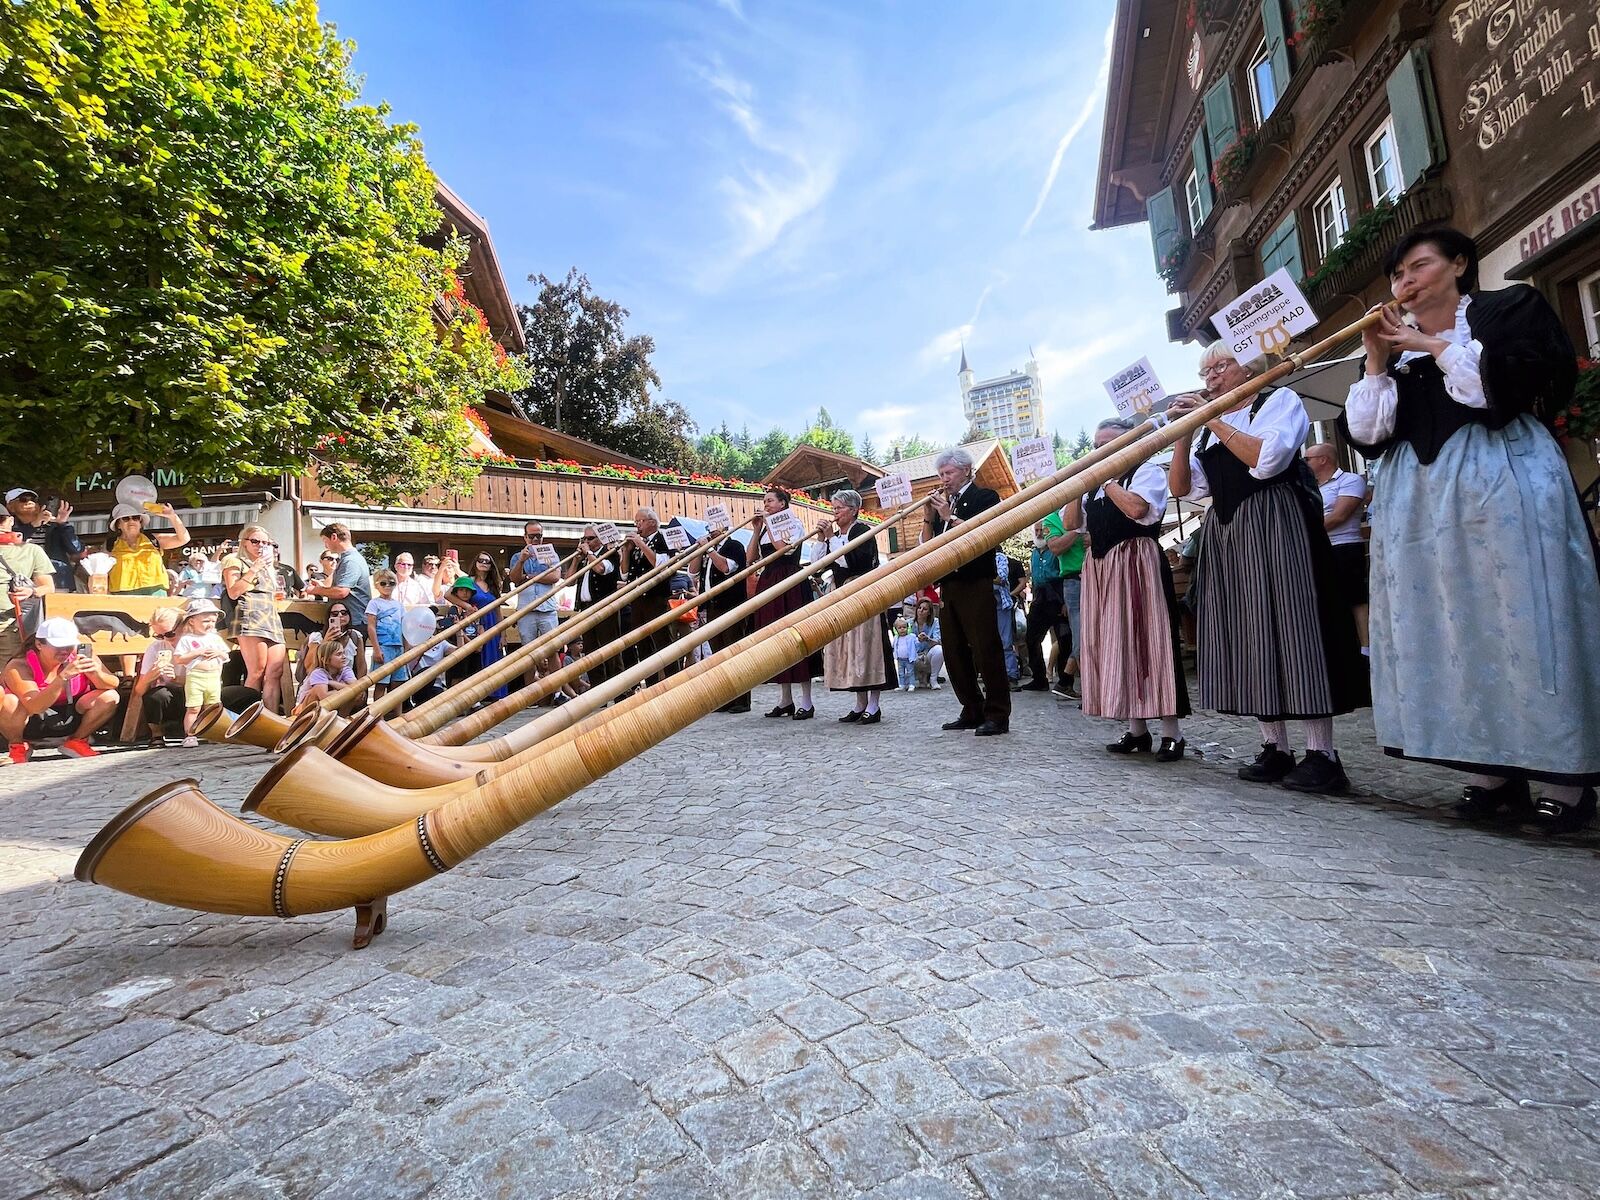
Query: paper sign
[893,490]
[545,553]
[1033,459]
[1136,391]
[1263,321]
[784,526]
[610,535]
[718,516]
[677,538]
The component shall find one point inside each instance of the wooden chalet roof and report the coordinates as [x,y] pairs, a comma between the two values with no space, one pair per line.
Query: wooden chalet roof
[1148,43]
[806,468]
[481,276]
[525,439]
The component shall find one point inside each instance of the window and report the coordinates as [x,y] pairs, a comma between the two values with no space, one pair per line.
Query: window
[1383,163]
[1330,217]
[1263,84]
[1191,195]
[1589,297]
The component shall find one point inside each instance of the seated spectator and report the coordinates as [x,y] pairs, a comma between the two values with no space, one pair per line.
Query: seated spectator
[332,671]
[139,569]
[26,574]
[339,629]
[52,532]
[158,688]
[62,691]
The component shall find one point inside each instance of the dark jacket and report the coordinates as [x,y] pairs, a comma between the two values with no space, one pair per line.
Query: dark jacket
[971,502]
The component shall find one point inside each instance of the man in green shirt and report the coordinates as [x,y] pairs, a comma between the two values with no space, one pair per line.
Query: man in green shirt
[25,572]
[1068,547]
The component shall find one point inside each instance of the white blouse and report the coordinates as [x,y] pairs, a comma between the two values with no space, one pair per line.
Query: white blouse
[1282,426]
[1369,408]
[1150,482]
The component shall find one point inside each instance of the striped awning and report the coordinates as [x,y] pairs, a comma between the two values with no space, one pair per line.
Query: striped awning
[372,523]
[192,518]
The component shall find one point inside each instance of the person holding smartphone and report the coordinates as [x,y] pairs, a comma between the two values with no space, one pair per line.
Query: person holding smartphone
[62,691]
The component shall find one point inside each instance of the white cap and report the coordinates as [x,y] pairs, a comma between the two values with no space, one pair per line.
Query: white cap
[59,632]
[19,493]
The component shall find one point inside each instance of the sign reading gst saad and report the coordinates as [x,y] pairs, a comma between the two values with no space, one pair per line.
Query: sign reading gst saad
[1264,320]
[893,490]
[1136,391]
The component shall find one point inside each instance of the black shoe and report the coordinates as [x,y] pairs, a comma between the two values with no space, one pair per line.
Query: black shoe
[1130,743]
[1171,751]
[961,723]
[1269,766]
[783,710]
[1551,816]
[850,718]
[1034,687]
[1509,804]
[1317,772]
[992,729]
[872,718]
[804,714]
[735,708]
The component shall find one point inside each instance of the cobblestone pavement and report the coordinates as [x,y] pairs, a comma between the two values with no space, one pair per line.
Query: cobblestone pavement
[770,960]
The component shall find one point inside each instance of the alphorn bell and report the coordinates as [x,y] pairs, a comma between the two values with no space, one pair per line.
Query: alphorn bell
[175,846]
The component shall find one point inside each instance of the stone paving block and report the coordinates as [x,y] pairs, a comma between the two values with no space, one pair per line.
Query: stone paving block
[1215,1164]
[769,1049]
[1423,1077]
[959,1132]
[1046,1057]
[715,1016]
[290,1114]
[124,1148]
[108,1046]
[640,1141]
[816,1017]
[188,1171]
[1310,1159]
[1324,1080]
[459,1130]
[1047,1112]
[814,1094]
[680,1181]
[1423,1150]
[1030,1170]
[864,1044]
[866,1148]
[919,1187]
[78,1121]
[1131,1172]
[1190,1036]
[1122,1042]
[595,1102]
[432,1082]
[906,1084]
[982,1075]
[728,1126]
[548,1075]
[1127,1102]
[1224,1090]
[1548,1145]
[22,1184]
[778,1170]
[51,1088]
[538,1166]
[884,1005]
[1531,1078]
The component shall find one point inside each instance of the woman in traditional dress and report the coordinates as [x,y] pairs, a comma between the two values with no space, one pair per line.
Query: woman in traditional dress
[800,675]
[1484,591]
[860,660]
[1277,639]
[1132,668]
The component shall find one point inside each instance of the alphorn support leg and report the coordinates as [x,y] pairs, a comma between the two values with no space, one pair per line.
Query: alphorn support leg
[372,918]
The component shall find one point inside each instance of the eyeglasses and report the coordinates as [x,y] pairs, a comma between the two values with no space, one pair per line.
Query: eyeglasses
[404,562]
[591,537]
[1216,368]
[258,541]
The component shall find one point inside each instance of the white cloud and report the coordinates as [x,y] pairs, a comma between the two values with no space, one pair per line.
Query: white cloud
[942,347]
[732,6]
[1089,104]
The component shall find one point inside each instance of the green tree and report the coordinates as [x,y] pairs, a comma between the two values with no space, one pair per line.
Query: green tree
[866,451]
[912,446]
[212,256]
[769,452]
[823,433]
[588,376]
[1081,444]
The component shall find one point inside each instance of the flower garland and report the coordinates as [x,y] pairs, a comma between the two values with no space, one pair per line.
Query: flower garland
[1581,420]
[567,466]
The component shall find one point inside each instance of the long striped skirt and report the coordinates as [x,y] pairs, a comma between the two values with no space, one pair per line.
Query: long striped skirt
[1277,640]
[1131,667]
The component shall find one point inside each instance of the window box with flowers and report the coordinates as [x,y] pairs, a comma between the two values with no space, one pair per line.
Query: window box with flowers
[1578,431]
[1323,27]
[1170,268]
[1231,174]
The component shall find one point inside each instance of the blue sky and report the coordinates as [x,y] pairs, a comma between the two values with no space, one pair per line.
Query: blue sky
[803,203]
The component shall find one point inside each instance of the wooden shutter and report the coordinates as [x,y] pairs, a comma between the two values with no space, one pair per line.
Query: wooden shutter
[1202,172]
[1277,41]
[1282,249]
[1222,125]
[1419,141]
[1165,229]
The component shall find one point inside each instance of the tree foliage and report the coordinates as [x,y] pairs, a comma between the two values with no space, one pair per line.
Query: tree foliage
[212,258]
[590,378]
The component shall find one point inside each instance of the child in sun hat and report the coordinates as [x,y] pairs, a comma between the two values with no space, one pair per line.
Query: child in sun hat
[202,652]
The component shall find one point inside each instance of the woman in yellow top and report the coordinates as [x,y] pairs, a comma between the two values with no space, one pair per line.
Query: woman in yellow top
[138,570]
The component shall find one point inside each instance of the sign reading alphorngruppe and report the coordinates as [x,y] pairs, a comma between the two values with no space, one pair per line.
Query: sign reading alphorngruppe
[1265,319]
[719,516]
[1033,459]
[1136,391]
[893,490]
[677,537]
[545,553]
[610,535]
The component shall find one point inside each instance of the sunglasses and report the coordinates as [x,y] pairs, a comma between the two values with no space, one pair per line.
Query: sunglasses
[387,583]
[404,562]
[257,542]
[485,558]
[430,562]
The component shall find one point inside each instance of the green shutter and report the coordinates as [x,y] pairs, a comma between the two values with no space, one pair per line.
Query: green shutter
[1222,126]
[1277,41]
[1418,138]
[1202,172]
[1165,229]
[1282,249]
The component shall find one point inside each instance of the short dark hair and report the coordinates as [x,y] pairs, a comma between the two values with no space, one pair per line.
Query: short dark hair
[337,529]
[781,493]
[1448,241]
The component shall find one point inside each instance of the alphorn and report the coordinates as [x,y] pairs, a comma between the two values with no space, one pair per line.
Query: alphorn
[376,750]
[176,847]
[297,791]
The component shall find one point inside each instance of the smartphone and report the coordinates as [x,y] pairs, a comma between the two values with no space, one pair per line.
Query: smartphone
[86,651]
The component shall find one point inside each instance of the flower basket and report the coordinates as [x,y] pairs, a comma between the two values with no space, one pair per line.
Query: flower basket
[1364,232]
[1228,172]
[1171,265]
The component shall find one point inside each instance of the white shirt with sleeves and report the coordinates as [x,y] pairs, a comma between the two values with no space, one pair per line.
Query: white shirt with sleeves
[1150,482]
[1344,483]
[1282,425]
[1369,408]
